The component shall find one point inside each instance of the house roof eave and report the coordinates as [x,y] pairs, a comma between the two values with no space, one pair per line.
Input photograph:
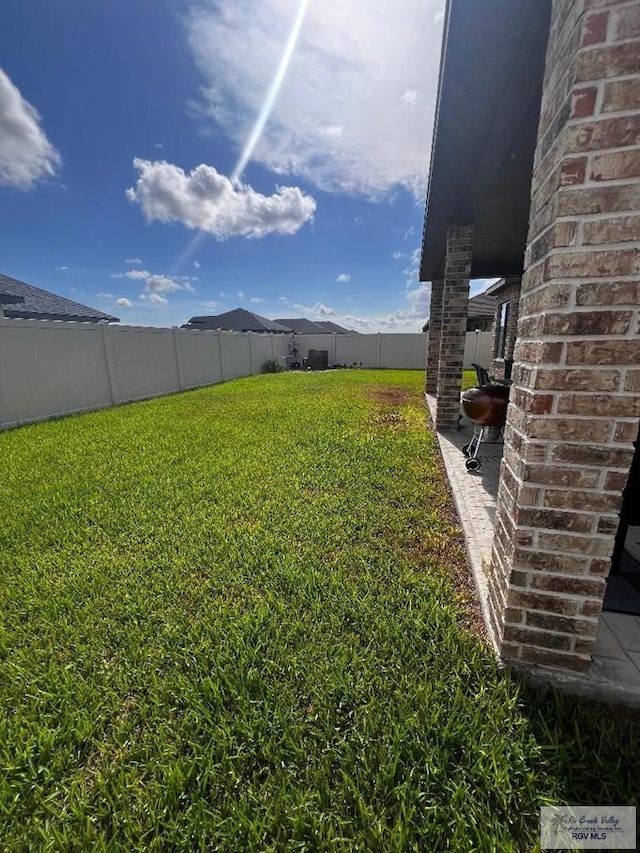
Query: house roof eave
[485,131]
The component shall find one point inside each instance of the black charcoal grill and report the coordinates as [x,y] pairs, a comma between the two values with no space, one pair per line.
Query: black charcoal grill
[486,406]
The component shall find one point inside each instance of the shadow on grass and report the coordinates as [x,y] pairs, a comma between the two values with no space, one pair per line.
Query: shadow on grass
[590,750]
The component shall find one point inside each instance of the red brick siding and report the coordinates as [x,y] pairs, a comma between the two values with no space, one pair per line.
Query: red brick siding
[454,324]
[575,401]
[435,336]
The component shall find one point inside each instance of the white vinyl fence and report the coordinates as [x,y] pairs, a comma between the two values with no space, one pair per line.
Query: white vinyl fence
[389,350]
[50,368]
[478,349]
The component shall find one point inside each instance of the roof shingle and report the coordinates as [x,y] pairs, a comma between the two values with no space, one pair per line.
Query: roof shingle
[302,326]
[238,320]
[40,304]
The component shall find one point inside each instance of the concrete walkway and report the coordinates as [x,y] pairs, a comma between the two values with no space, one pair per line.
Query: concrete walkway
[614,674]
[474,494]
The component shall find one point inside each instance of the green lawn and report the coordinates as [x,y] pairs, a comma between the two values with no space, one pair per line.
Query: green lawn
[239,619]
[469,379]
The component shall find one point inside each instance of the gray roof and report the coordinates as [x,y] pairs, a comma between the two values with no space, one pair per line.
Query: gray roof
[499,285]
[238,320]
[482,305]
[328,326]
[40,304]
[302,326]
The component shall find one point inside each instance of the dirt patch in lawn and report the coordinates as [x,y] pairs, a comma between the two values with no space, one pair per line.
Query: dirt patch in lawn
[392,395]
[389,418]
[389,400]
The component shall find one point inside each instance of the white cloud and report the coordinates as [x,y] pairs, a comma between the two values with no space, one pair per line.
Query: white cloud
[162,284]
[154,299]
[409,98]
[136,275]
[26,155]
[211,305]
[106,295]
[137,261]
[154,283]
[123,302]
[331,130]
[409,318]
[256,300]
[241,294]
[339,120]
[398,255]
[70,270]
[206,200]
[317,310]
[413,270]
[363,323]
[284,300]
[196,265]
[343,277]
[419,298]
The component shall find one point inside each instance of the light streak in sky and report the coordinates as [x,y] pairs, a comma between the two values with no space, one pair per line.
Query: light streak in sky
[259,124]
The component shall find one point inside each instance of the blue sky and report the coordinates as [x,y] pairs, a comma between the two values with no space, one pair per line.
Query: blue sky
[121,126]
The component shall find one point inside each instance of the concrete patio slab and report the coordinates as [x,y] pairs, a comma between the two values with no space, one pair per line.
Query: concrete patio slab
[614,674]
[474,494]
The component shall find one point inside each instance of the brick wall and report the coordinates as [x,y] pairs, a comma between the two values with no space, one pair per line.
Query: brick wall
[455,303]
[510,293]
[435,335]
[575,401]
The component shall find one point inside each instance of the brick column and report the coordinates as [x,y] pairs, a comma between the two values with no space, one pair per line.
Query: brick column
[435,335]
[575,401]
[453,333]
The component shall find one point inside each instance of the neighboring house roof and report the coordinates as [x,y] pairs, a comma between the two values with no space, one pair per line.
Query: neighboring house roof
[480,306]
[40,304]
[502,283]
[302,326]
[328,326]
[238,320]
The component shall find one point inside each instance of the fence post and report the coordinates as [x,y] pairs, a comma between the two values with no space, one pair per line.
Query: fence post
[111,369]
[251,368]
[378,351]
[176,349]
[221,351]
